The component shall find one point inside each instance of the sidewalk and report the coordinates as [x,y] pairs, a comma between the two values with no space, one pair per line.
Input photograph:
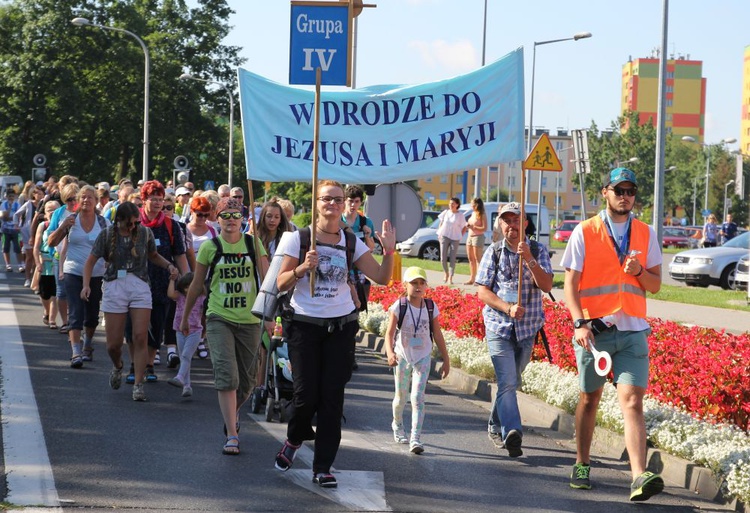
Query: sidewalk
[732,321]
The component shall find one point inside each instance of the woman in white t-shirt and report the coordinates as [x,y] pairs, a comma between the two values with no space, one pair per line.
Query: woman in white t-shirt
[320,332]
[450,230]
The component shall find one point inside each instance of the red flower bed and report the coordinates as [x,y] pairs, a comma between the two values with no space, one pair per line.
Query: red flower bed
[699,369]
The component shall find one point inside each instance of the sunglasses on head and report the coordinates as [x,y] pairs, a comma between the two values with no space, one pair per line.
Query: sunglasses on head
[620,191]
[231,215]
[201,214]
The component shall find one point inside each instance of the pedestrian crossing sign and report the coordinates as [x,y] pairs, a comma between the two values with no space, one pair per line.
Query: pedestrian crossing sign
[543,156]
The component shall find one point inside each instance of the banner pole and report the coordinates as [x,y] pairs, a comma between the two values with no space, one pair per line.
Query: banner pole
[522,236]
[316,143]
[251,223]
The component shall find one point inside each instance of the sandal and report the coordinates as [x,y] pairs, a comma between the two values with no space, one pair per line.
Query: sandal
[232,446]
[52,325]
[45,320]
[64,329]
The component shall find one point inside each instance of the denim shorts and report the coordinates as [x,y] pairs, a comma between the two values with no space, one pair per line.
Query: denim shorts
[629,352]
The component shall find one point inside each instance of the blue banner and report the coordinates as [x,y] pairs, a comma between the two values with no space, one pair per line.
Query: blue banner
[385,134]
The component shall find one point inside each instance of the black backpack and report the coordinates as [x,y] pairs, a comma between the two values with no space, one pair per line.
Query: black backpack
[249,244]
[429,303]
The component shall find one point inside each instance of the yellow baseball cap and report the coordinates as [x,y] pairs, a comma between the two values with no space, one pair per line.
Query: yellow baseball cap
[414,273]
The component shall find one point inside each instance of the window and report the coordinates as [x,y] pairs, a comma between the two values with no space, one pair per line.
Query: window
[544,182]
[544,199]
[511,181]
[512,165]
[669,102]
[428,179]
[443,178]
[559,145]
[459,178]
[443,195]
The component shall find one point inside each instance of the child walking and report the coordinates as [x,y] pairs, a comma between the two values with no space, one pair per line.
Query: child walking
[186,344]
[411,329]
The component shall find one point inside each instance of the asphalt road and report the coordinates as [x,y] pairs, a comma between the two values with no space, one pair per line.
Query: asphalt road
[107,452]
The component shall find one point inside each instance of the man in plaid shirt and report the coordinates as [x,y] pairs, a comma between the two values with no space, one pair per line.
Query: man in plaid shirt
[511,322]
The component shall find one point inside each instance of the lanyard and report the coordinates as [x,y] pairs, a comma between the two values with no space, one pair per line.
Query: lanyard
[411,312]
[624,247]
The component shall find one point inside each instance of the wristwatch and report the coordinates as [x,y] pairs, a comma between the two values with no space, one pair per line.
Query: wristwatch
[580,323]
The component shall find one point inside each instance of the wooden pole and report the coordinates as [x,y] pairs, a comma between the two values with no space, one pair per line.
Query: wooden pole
[251,219]
[522,236]
[316,143]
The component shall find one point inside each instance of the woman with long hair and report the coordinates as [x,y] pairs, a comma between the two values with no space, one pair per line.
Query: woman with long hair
[271,225]
[127,247]
[451,228]
[477,225]
[24,218]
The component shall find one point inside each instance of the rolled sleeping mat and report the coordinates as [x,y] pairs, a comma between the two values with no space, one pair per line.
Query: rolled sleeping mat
[267,300]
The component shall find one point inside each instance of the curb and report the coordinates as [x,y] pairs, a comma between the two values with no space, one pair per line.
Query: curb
[541,416]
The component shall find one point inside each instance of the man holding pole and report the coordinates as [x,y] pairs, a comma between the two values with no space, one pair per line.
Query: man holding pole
[611,261]
[513,275]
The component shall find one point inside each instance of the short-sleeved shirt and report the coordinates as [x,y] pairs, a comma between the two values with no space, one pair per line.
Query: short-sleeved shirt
[452,224]
[124,258]
[79,244]
[406,346]
[233,284]
[10,225]
[356,227]
[169,248]
[729,229]
[710,232]
[505,274]
[195,316]
[332,297]
[574,259]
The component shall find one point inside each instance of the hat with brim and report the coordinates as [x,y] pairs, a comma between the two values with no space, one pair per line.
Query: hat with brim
[181,190]
[414,273]
[511,208]
[621,174]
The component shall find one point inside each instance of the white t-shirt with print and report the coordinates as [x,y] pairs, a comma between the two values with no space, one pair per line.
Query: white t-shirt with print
[332,297]
[413,344]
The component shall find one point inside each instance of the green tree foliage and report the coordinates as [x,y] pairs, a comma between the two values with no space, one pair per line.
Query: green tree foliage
[76,94]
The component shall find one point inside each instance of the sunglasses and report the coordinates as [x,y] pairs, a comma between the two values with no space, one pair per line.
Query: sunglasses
[231,215]
[131,224]
[168,207]
[619,191]
[199,214]
[238,197]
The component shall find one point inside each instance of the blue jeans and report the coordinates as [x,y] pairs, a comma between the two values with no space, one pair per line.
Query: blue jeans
[509,359]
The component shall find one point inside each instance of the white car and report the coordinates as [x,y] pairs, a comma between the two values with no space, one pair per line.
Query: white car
[742,273]
[424,243]
[710,266]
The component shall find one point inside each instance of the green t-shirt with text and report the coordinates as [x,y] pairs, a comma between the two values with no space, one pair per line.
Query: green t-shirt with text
[233,286]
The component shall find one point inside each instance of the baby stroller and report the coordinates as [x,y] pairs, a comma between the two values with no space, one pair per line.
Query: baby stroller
[277,389]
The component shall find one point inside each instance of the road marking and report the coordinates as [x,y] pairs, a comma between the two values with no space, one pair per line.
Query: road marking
[27,467]
[357,490]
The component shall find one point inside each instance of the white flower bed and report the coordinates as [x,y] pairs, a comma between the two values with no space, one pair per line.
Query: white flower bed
[725,449]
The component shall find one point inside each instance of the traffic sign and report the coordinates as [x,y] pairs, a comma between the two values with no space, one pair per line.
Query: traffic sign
[543,156]
[320,37]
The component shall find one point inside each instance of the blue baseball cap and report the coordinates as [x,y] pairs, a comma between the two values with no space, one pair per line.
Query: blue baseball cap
[621,174]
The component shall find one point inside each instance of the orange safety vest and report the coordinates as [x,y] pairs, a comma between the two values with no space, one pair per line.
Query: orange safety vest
[604,288]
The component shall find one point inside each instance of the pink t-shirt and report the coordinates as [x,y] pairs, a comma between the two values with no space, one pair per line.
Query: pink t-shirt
[195,316]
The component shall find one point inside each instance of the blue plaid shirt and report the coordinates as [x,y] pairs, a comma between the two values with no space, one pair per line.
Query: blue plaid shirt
[507,271]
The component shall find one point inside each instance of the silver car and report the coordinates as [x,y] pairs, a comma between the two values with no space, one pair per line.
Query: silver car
[424,243]
[742,273]
[710,266]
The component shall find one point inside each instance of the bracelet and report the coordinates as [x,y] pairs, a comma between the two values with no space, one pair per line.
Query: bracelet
[639,272]
[389,252]
[294,273]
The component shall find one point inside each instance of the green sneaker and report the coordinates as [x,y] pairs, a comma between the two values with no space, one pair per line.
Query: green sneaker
[579,478]
[646,486]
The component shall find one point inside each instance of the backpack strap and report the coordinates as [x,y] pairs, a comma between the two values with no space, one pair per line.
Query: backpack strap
[429,303]
[102,222]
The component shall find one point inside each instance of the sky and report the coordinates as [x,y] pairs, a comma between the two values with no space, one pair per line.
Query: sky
[418,41]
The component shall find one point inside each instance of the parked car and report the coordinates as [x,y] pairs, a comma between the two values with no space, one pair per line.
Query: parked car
[562,232]
[676,237]
[424,243]
[428,217]
[710,266]
[742,273]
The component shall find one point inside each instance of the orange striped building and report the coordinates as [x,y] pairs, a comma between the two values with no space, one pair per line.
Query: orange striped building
[685,94]
[745,123]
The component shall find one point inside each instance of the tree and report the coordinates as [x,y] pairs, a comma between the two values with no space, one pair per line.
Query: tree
[76,93]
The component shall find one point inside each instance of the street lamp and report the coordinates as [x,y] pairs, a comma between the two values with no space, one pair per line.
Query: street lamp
[188,76]
[83,22]
[730,182]
[576,37]
[691,139]
[631,160]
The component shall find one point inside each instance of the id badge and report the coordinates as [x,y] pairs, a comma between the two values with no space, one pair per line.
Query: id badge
[508,292]
[415,342]
[121,273]
[158,242]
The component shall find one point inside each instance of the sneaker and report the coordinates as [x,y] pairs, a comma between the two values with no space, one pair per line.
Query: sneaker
[496,439]
[187,391]
[88,354]
[579,478]
[416,447]
[173,360]
[151,377]
[157,358]
[21,269]
[399,435]
[115,378]
[27,283]
[8,269]
[76,361]
[138,393]
[513,443]
[325,480]
[286,455]
[176,382]
[202,350]
[646,486]
[130,378]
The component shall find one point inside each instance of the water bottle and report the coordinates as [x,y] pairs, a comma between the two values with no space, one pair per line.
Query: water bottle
[277,329]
